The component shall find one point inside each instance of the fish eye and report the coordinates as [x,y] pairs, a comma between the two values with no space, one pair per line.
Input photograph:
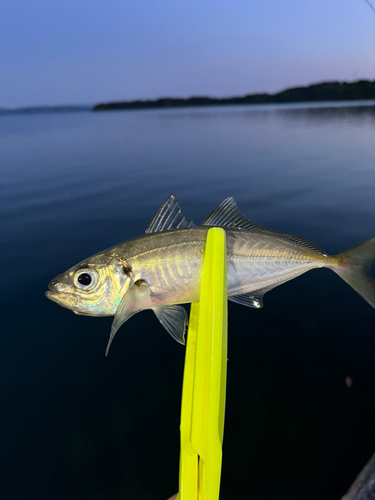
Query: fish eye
[85,279]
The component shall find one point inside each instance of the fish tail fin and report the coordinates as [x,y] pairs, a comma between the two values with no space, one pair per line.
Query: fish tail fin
[354,267]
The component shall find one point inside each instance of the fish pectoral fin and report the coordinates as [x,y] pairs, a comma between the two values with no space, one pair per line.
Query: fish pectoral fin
[253,299]
[174,319]
[136,299]
[168,217]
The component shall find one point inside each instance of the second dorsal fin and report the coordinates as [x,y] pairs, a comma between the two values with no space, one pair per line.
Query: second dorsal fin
[168,217]
[228,215]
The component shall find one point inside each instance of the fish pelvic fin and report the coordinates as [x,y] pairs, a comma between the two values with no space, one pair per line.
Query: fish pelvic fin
[354,267]
[136,299]
[174,319]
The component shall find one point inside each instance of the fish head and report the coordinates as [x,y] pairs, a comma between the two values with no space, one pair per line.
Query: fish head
[93,287]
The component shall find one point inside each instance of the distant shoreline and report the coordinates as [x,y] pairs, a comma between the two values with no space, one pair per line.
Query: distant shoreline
[320,92]
[361,90]
[38,110]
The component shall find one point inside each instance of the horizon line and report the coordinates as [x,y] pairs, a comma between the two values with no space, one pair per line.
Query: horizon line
[191,96]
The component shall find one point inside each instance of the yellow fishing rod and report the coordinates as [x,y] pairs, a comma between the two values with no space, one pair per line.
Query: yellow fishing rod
[204,384]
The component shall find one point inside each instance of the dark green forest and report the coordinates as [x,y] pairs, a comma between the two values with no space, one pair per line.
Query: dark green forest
[326,91]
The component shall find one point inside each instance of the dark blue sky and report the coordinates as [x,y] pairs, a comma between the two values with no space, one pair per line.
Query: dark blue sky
[86,51]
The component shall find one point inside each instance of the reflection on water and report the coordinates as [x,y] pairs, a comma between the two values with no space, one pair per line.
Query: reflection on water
[79,425]
[354,115]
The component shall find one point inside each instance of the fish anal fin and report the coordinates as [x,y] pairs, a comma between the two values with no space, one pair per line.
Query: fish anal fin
[168,217]
[174,319]
[248,300]
[252,299]
[228,215]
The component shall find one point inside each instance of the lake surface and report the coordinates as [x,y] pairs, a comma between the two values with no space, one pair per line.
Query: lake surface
[77,425]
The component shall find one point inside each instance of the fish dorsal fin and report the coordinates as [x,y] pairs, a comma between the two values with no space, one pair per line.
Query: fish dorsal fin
[252,299]
[168,217]
[174,319]
[228,215]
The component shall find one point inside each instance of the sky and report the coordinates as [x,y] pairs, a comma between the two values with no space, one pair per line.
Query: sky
[57,52]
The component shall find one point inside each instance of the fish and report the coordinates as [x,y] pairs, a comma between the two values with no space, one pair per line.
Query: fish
[363,487]
[161,269]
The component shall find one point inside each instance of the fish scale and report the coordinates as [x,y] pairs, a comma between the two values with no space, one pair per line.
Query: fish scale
[257,262]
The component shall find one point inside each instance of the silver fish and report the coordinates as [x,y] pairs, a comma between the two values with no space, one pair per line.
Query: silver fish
[162,268]
[363,487]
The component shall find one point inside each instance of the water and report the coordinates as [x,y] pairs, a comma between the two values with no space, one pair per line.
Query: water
[77,425]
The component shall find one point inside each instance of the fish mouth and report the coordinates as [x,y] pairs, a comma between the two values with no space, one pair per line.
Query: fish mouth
[61,298]
[51,287]
[52,293]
